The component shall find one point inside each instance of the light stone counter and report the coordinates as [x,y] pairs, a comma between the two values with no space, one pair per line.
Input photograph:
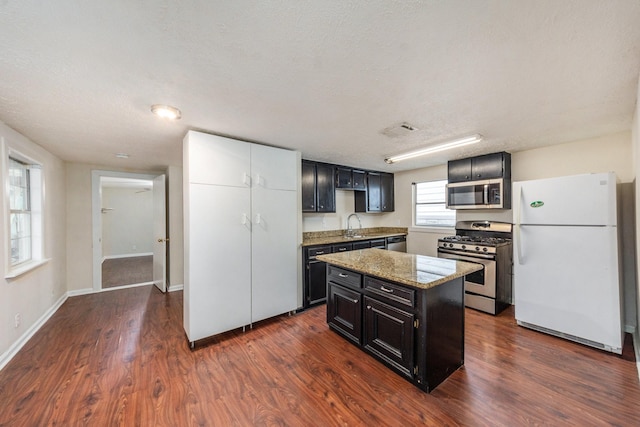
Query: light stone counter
[338,236]
[418,271]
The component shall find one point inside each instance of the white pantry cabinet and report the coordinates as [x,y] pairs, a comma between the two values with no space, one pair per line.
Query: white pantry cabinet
[242,233]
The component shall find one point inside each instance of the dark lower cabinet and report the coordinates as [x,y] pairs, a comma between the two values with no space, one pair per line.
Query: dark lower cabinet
[365,244]
[317,272]
[315,278]
[344,312]
[388,333]
[416,332]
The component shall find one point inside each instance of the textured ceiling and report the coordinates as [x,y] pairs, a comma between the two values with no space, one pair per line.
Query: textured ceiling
[323,77]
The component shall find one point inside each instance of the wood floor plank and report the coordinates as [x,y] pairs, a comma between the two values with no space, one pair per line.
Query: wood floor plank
[122,358]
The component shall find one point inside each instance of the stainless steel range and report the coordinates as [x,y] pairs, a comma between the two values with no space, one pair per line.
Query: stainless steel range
[487,243]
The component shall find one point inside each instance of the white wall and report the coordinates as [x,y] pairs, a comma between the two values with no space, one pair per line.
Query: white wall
[33,294]
[127,228]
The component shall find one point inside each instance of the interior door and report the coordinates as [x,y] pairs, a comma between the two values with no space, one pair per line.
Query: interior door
[160,234]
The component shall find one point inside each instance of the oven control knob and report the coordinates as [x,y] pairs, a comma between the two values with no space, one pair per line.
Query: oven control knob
[450,245]
[477,248]
[464,246]
[484,249]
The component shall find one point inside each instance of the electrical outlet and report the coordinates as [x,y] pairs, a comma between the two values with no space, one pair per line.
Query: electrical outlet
[17,319]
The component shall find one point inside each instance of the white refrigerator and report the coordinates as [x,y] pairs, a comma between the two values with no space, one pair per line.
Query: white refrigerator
[565,275]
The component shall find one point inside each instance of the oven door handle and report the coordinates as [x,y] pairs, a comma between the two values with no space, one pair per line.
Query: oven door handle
[475,258]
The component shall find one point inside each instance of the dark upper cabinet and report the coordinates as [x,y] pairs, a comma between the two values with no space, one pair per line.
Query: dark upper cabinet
[343,177]
[308,186]
[387,201]
[489,166]
[318,187]
[350,179]
[373,192]
[459,170]
[359,180]
[320,180]
[379,196]
[326,188]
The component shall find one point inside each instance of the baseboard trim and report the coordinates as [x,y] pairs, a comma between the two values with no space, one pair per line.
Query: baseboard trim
[104,258]
[24,338]
[79,292]
[173,288]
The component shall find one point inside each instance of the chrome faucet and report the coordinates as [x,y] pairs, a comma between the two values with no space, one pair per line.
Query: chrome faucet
[350,232]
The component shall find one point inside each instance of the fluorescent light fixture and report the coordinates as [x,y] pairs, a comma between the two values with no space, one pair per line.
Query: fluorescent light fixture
[122,155]
[166,111]
[460,142]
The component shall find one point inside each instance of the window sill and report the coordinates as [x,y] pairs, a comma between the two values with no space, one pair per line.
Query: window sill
[434,230]
[25,268]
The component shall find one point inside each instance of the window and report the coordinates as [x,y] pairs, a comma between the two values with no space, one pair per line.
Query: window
[430,206]
[24,182]
[20,211]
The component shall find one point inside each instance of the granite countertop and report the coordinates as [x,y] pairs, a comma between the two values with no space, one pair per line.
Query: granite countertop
[418,271]
[338,236]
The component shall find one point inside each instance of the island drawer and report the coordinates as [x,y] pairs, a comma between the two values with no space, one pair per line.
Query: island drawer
[390,291]
[344,277]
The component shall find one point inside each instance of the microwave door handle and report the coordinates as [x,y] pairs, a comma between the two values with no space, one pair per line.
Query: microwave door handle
[486,195]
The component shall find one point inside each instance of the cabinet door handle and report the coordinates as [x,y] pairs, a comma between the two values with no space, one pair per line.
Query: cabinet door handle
[246,179]
[383,289]
[368,307]
[319,252]
[343,275]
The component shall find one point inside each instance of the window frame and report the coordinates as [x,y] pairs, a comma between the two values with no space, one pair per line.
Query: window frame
[36,209]
[432,228]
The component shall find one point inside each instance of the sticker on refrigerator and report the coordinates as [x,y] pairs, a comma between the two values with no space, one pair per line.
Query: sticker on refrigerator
[537,204]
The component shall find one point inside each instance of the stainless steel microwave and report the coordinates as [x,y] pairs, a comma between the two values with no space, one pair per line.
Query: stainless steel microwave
[486,194]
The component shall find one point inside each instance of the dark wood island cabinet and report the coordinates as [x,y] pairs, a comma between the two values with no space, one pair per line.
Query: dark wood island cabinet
[405,310]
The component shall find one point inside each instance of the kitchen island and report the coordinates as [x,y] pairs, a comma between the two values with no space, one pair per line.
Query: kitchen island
[406,310]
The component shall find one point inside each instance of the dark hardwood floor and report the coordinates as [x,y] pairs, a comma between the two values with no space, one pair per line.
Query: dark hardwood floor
[122,358]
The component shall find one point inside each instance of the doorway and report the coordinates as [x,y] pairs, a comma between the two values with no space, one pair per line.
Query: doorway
[129,230]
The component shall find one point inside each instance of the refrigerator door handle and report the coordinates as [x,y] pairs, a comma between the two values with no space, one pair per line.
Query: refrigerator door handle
[518,234]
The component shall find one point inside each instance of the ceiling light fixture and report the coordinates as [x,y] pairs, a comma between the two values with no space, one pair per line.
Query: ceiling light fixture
[166,111]
[122,155]
[468,140]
